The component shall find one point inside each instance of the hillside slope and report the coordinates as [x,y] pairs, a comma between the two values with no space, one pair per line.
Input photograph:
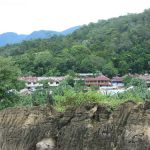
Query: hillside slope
[115,46]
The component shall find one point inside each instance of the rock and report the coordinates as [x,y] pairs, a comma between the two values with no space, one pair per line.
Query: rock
[46,144]
[88,127]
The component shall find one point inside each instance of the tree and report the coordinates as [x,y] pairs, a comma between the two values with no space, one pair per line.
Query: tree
[109,70]
[9,73]
[127,80]
[43,62]
[109,46]
[138,83]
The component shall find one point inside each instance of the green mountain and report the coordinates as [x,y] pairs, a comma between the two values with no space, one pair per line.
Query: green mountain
[115,46]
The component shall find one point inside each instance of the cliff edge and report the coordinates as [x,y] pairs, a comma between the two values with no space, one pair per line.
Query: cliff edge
[88,127]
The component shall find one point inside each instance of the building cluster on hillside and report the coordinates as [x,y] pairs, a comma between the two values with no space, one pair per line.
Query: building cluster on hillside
[32,83]
[105,84]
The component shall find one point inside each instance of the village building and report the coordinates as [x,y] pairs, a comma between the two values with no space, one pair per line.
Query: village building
[83,75]
[145,77]
[98,81]
[117,81]
[117,86]
[55,81]
[31,83]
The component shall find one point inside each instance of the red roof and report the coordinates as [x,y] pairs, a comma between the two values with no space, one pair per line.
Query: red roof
[99,78]
[102,78]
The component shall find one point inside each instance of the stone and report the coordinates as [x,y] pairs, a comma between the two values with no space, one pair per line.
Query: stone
[46,144]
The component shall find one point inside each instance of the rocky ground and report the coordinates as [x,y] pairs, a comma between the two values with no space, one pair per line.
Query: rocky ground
[88,127]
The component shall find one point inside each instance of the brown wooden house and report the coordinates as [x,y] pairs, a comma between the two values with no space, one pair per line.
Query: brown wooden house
[98,81]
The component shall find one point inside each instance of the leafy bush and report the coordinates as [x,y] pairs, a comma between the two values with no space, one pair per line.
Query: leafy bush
[136,82]
[10,100]
[72,98]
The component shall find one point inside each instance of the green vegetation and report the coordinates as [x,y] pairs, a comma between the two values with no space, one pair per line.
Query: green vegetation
[9,73]
[71,98]
[68,96]
[74,94]
[115,46]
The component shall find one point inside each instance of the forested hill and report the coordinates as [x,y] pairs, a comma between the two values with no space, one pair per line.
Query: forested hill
[114,46]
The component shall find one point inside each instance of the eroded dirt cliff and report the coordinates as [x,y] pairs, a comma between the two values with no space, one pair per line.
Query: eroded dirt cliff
[88,127]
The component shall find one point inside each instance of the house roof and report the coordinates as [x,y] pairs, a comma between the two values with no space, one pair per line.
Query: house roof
[98,84]
[85,74]
[35,79]
[29,79]
[99,78]
[103,78]
[145,77]
[117,79]
[57,78]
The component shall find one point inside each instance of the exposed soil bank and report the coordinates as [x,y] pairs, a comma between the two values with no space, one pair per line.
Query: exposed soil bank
[88,127]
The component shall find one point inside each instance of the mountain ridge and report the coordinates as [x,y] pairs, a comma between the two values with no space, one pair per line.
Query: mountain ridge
[13,38]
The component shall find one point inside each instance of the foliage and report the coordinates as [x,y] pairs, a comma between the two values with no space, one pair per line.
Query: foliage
[79,86]
[127,80]
[9,73]
[115,46]
[10,100]
[140,88]
[39,97]
[61,88]
[64,96]
[44,83]
[109,70]
[136,82]
[72,98]
[19,85]
[70,81]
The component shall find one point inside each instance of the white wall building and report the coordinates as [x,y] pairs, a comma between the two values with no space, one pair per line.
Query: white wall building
[32,83]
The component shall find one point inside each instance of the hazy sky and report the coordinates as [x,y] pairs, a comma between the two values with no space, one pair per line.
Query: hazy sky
[25,16]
